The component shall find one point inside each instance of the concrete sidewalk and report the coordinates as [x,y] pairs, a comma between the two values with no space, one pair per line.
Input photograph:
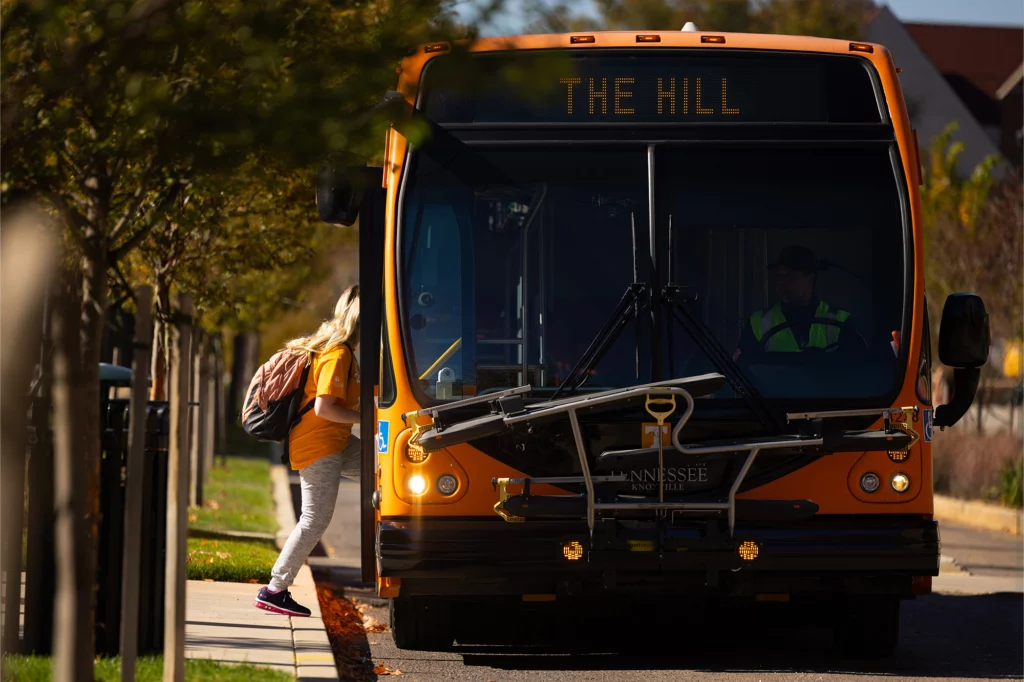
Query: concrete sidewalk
[222,624]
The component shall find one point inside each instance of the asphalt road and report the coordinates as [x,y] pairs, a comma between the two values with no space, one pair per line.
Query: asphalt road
[942,637]
[947,635]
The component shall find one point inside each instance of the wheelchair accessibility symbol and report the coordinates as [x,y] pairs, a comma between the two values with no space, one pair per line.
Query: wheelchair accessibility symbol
[929,428]
[382,436]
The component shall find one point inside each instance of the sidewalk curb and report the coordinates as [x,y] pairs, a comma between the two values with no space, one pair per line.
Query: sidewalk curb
[980,515]
[314,659]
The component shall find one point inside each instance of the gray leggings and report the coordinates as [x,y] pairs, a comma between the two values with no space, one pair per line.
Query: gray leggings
[320,481]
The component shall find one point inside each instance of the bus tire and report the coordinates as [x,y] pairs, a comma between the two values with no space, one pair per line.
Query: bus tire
[420,624]
[868,627]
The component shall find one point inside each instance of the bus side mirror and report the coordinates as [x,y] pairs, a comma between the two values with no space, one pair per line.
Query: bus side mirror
[963,345]
[341,184]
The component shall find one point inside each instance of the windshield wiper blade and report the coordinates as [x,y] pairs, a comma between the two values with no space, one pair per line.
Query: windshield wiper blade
[713,349]
[628,308]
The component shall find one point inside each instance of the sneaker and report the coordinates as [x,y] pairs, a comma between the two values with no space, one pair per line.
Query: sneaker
[279,602]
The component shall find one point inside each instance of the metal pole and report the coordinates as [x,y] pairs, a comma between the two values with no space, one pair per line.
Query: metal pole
[134,481]
[655,283]
[177,498]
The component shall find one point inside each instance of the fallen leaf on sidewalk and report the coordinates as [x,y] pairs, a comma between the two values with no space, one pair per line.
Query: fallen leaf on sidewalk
[381,669]
[371,624]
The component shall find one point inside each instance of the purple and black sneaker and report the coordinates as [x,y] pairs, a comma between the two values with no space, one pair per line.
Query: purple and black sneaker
[279,602]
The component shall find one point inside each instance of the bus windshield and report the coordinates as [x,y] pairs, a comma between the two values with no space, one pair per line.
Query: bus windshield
[791,257]
[780,263]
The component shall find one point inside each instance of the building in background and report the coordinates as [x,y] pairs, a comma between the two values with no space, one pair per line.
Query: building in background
[964,73]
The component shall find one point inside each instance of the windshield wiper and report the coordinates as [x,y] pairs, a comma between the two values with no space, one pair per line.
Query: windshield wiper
[636,298]
[709,344]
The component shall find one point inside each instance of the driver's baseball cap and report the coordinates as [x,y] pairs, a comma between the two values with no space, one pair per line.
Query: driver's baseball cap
[799,258]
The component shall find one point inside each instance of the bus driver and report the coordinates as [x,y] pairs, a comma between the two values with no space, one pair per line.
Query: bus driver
[788,327]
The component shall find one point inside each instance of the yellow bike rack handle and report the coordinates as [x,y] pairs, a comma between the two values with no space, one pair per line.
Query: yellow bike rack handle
[660,415]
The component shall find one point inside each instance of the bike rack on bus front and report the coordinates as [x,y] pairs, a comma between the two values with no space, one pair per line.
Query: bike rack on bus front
[509,410]
[729,505]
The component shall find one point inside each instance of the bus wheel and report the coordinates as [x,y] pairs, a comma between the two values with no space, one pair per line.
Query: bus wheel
[868,627]
[421,624]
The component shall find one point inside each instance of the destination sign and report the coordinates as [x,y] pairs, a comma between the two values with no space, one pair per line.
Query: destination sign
[746,87]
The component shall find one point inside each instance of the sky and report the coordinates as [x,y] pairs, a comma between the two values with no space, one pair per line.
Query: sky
[987,12]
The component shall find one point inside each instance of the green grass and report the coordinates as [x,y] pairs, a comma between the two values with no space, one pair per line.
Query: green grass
[148,669]
[235,561]
[237,497]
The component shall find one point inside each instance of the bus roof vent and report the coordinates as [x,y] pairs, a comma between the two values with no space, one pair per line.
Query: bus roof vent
[690,26]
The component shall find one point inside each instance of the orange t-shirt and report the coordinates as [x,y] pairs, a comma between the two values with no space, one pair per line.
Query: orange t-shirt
[335,374]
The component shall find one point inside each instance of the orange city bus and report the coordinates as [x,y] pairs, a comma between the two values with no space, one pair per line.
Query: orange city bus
[651,323]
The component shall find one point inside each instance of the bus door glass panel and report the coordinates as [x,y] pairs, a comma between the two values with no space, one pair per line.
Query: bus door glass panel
[434,291]
[735,211]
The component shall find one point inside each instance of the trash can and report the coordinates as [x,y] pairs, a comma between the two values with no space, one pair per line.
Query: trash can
[113,476]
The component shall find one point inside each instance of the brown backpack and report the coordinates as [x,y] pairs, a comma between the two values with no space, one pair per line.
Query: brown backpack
[271,406]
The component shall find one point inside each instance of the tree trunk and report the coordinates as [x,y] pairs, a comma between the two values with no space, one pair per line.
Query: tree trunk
[195,418]
[208,406]
[94,303]
[222,422]
[235,386]
[161,338]
[72,630]
[244,361]
[28,257]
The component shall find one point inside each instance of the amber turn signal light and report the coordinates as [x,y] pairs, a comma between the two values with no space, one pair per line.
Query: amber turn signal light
[573,551]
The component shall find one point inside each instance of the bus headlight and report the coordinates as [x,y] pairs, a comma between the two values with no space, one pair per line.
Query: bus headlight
[417,484]
[869,482]
[900,482]
[447,484]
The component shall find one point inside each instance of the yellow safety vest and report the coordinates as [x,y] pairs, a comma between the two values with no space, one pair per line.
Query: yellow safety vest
[820,335]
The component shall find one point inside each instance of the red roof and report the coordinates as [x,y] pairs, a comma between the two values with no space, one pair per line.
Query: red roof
[983,55]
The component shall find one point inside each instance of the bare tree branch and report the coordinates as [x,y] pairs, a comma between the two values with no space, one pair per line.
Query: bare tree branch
[147,227]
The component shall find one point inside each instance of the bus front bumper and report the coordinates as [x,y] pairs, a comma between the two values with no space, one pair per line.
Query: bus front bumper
[435,556]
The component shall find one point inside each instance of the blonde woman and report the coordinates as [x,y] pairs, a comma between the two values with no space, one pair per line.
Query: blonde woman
[317,441]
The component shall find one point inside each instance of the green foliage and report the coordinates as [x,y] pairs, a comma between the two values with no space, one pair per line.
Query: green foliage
[147,669]
[237,496]
[972,235]
[1011,492]
[823,18]
[945,194]
[125,118]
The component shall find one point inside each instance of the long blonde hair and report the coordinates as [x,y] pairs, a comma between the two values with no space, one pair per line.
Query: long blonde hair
[343,328]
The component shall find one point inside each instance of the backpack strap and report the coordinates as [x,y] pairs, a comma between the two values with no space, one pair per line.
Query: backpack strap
[297,415]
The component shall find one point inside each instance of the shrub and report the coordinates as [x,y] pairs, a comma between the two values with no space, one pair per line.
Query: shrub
[973,466]
[1010,491]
